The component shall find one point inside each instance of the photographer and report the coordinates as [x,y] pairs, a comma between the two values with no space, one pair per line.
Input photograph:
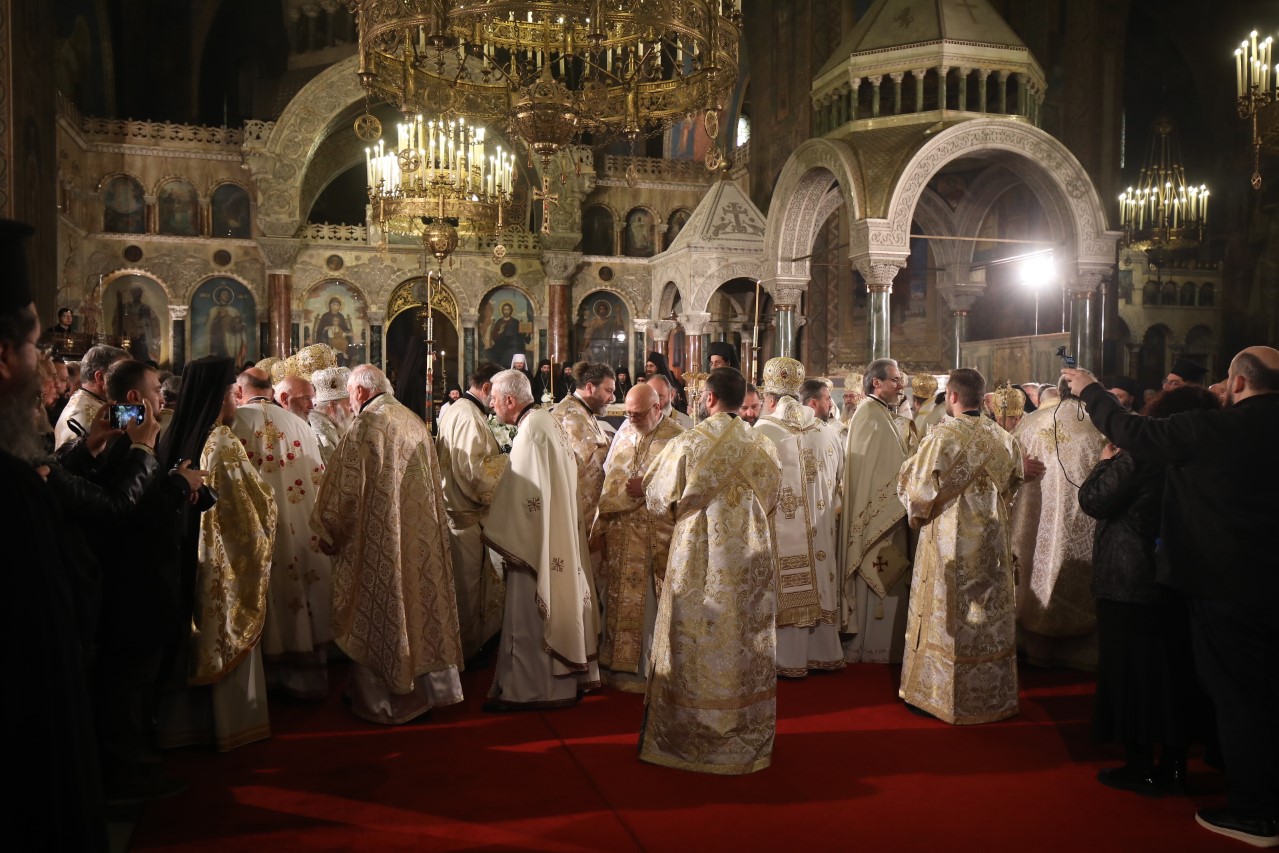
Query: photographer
[130,512]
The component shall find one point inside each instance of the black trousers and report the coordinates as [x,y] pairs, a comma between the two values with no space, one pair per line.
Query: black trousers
[1237,655]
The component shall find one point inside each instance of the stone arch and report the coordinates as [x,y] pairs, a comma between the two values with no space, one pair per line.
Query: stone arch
[705,289]
[814,170]
[1066,193]
[142,271]
[121,215]
[279,164]
[110,176]
[669,296]
[172,210]
[402,299]
[654,226]
[1207,293]
[258,300]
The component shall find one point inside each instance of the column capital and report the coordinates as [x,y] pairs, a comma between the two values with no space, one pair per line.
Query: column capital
[695,322]
[1086,281]
[560,266]
[178,312]
[879,272]
[469,320]
[279,254]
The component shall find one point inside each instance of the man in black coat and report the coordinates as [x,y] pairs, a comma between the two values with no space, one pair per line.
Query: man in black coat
[57,793]
[1217,547]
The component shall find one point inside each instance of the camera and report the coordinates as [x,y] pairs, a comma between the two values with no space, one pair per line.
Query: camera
[123,417]
[1067,359]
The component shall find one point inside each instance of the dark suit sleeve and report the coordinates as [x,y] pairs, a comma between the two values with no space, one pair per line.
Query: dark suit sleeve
[1170,440]
[1111,487]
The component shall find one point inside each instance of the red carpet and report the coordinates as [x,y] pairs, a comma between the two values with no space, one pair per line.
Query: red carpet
[851,769]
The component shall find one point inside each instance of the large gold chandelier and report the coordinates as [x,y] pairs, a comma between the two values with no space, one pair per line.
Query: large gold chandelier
[1164,212]
[440,173]
[552,71]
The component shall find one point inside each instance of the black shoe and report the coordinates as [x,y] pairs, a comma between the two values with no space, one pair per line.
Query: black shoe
[142,789]
[1258,833]
[1129,778]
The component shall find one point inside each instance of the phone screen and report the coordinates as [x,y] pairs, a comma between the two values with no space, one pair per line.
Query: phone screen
[123,417]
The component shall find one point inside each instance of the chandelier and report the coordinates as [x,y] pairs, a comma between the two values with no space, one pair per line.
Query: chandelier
[440,175]
[552,70]
[1255,95]
[1163,212]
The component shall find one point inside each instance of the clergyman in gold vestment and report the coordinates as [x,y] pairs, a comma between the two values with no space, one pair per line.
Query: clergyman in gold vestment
[380,513]
[874,535]
[711,704]
[635,542]
[961,655]
[472,464]
[576,415]
[1053,538]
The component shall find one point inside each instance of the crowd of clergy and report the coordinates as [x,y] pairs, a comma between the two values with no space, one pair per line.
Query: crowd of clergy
[259,524]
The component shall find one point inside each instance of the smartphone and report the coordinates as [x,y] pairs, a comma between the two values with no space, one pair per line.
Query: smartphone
[123,417]
[1066,358]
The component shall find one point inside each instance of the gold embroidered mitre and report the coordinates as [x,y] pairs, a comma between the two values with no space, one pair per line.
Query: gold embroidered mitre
[1009,402]
[267,364]
[923,385]
[315,357]
[782,376]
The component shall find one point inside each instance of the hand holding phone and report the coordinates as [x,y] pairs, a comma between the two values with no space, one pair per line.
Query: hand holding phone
[125,415]
[145,429]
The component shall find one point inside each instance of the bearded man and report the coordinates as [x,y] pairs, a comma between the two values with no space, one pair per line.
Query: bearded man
[331,417]
[472,464]
[806,530]
[635,542]
[550,625]
[578,415]
[380,514]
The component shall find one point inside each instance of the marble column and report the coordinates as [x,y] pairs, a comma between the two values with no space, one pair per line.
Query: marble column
[151,214]
[469,338]
[1082,293]
[695,324]
[279,296]
[377,321]
[786,303]
[639,343]
[559,267]
[879,274]
[178,337]
[280,253]
[959,289]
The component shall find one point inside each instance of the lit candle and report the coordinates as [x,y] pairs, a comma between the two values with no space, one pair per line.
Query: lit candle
[368,165]
[1238,72]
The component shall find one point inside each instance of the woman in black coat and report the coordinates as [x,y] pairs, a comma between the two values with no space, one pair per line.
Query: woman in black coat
[1145,681]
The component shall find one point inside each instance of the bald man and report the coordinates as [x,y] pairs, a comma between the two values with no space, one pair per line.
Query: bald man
[1217,549]
[666,393]
[635,542]
[295,394]
[253,385]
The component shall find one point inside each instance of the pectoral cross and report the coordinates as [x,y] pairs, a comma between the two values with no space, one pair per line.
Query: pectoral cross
[548,200]
[880,564]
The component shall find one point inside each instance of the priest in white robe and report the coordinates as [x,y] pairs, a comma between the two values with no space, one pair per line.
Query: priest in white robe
[295,643]
[961,654]
[635,542]
[91,396]
[1053,538]
[578,415]
[472,464]
[380,513]
[806,526]
[550,626]
[875,564]
[711,704]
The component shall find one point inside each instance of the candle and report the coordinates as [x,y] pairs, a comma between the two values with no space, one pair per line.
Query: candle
[1238,72]
[368,165]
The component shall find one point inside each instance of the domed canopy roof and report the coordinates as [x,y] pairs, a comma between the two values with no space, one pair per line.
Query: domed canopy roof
[901,23]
